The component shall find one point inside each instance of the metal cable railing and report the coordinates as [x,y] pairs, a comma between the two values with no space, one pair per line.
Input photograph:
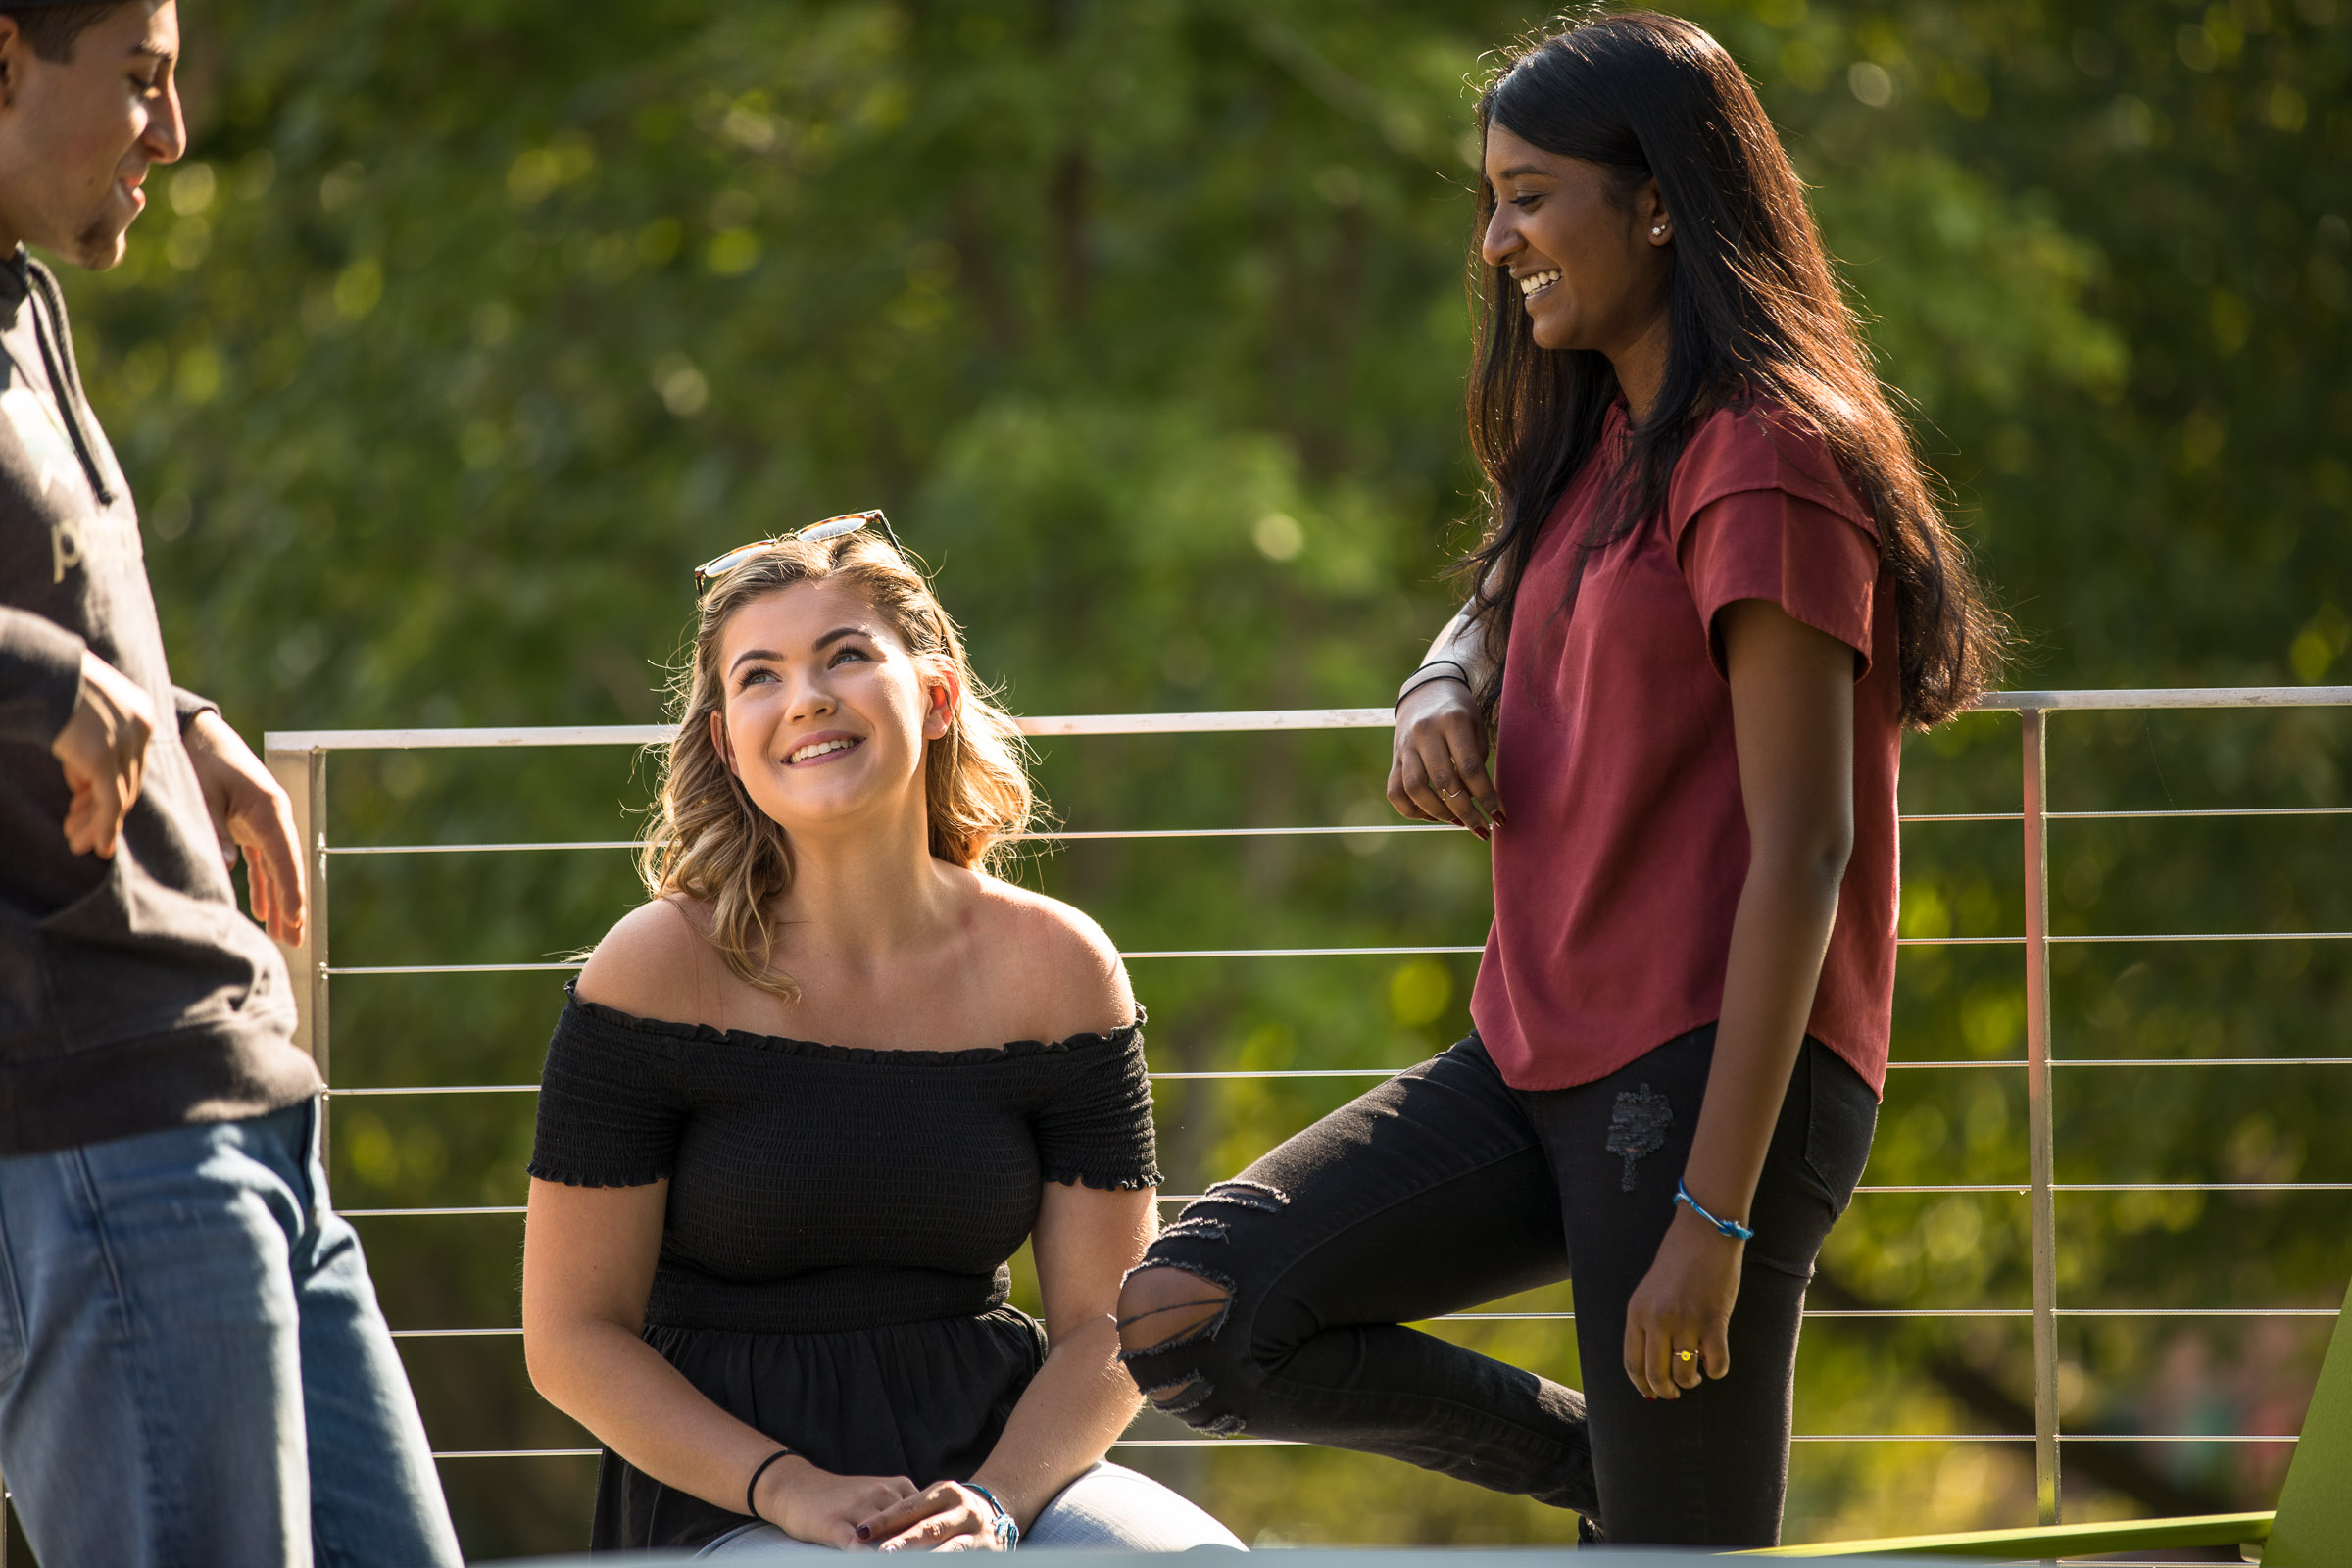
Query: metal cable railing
[298,759]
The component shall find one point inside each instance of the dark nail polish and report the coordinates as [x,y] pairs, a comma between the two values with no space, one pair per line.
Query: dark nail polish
[862,1532]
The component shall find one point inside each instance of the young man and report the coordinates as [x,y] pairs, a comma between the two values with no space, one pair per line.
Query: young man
[192,1365]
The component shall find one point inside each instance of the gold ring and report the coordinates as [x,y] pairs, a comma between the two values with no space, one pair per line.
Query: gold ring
[1686,1356]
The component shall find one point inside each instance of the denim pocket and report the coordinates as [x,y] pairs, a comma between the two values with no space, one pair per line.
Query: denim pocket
[1840,1118]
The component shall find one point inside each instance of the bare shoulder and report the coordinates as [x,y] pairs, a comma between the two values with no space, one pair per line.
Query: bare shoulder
[1059,955]
[648,962]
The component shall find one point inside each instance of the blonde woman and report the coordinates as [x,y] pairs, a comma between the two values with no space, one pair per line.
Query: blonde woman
[784,1149]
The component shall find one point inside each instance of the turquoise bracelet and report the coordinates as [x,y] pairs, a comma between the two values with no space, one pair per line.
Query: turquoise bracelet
[1007,1533]
[1730,1227]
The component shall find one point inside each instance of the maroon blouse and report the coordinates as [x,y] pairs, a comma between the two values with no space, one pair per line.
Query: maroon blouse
[1622,862]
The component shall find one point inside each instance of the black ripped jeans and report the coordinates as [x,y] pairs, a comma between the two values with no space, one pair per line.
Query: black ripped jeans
[1445,1188]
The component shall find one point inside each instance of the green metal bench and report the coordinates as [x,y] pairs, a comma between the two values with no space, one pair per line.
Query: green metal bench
[2311,1529]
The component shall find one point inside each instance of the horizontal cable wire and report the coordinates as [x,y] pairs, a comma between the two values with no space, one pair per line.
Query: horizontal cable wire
[1207,723]
[2020,1188]
[1799,1437]
[2017,1188]
[1283,1072]
[480,849]
[1012,838]
[1075,836]
[454,968]
[2179,1436]
[1295,718]
[1391,1072]
[1419,951]
[2207,936]
[2179,1061]
[436,1088]
[1157,1077]
[2202,1187]
[2202,811]
[1331,831]
[1156,953]
[2079,939]
[2006,1312]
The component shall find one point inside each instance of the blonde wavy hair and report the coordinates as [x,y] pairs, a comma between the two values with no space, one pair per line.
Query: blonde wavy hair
[708,840]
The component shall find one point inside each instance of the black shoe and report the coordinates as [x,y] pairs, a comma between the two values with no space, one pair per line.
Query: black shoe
[1587,1532]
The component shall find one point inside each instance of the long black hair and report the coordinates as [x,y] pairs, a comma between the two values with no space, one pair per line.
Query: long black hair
[1756,315]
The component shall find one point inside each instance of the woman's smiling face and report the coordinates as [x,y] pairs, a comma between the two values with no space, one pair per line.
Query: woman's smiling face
[825,711]
[1590,263]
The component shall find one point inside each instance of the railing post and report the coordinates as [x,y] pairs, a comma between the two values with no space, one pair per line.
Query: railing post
[302,774]
[2040,1140]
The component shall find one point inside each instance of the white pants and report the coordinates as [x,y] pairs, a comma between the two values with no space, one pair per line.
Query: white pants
[1107,1508]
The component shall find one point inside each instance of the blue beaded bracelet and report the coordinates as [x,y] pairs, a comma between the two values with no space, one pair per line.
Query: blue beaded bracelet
[1730,1227]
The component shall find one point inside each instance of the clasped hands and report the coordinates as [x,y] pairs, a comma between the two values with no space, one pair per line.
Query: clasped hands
[881,1513]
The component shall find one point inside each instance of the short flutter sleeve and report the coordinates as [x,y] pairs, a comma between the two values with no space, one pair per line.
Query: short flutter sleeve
[610,1107]
[1760,510]
[1096,1127]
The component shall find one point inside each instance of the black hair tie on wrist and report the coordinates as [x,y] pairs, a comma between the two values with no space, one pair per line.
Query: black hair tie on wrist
[751,1486]
[1413,682]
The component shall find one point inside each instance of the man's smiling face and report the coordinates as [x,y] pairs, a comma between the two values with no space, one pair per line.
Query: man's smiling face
[77,136]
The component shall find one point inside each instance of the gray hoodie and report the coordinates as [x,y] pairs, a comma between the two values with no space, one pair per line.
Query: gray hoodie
[134,995]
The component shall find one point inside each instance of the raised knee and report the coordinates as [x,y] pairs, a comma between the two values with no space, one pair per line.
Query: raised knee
[1168,1320]
[1166,1305]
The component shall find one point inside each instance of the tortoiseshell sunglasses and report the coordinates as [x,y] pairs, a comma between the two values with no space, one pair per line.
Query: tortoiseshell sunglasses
[847,523]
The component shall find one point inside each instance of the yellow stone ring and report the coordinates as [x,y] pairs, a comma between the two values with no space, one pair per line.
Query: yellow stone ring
[1686,1356]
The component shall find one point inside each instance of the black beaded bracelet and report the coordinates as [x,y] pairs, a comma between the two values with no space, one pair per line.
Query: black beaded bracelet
[751,1487]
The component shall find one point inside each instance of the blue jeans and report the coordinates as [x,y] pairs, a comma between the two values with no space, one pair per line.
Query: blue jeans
[1107,1508]
[192,1365]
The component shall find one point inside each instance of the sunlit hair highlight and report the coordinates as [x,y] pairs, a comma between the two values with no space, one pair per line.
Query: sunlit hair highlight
[708,840]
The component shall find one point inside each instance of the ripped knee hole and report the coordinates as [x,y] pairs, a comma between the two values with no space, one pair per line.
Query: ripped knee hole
[1165,1305]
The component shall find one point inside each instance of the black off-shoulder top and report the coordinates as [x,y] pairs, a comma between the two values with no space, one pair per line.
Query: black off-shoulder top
[833,1256]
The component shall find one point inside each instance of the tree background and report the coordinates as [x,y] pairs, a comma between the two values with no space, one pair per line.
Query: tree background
[467,328]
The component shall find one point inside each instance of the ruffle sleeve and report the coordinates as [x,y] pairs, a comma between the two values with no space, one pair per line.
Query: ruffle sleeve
[610,1105]
[1096,1128]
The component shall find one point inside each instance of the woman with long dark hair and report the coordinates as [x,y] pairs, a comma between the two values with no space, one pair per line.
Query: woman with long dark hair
[1714,589]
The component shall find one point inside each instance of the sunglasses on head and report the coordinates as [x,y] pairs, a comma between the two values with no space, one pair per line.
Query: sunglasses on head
[717,566]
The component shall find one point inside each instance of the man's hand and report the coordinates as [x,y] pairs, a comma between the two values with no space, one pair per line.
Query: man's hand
[250,812]
[103,749]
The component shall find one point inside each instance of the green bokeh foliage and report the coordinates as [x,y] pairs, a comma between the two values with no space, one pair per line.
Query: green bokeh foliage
[469,327]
